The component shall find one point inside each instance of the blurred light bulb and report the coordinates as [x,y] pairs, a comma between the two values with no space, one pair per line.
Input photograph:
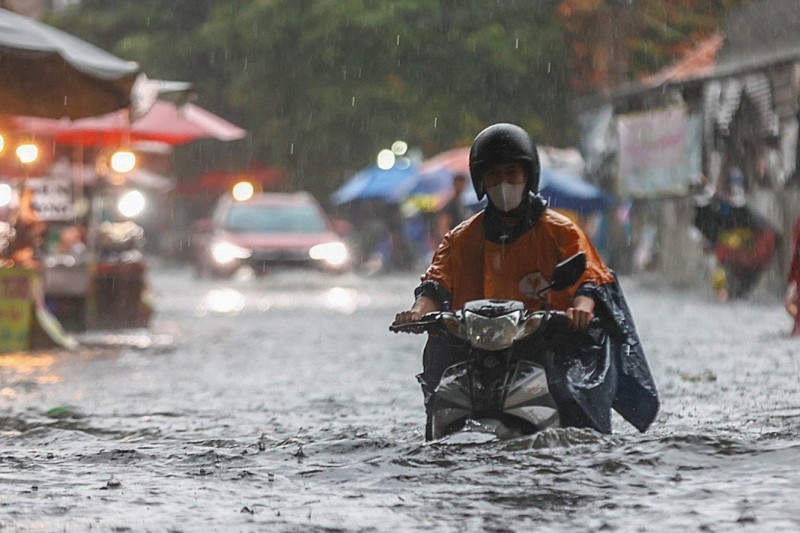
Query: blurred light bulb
[123,161]
[400,147]
[27,153]
[5,194]
[131,204]
[385,159]
[242,191]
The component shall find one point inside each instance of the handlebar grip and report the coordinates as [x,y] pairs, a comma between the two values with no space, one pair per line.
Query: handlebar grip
[595,322]
[411,327]
[560,322]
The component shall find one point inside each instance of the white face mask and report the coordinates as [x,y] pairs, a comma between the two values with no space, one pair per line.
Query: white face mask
[506,197]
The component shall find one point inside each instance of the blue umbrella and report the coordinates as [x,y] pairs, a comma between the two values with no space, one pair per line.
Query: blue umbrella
[566,191]
[392,185]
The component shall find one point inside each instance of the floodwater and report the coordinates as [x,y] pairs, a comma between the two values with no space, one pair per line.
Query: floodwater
[285,404]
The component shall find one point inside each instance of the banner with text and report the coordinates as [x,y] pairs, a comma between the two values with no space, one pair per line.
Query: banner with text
[659,152]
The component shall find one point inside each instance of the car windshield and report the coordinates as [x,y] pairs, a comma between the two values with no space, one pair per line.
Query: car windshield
[244,218]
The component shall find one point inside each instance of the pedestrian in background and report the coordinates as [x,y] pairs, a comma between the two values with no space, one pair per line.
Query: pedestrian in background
[453,212]
[742,240]
[792,300]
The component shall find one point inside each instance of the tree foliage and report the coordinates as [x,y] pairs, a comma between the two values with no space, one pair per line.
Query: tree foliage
[611,42]
[322,85]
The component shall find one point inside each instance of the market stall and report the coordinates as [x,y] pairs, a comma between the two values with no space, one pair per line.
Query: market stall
[44,72]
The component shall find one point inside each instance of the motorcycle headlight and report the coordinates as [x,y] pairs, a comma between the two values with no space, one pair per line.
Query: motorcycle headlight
[492,333]
[333,253]
[225,252]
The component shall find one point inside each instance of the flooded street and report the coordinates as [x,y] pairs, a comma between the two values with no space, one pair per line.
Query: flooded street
[285,404]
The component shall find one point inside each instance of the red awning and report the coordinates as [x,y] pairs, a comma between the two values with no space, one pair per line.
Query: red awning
[164,122]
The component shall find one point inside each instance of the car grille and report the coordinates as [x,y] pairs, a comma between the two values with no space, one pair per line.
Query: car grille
[280,256]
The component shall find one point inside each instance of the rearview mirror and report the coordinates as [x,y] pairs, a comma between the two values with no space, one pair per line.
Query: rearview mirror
[568,272]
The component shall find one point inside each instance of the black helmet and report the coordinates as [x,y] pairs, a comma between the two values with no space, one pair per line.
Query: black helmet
[503,143]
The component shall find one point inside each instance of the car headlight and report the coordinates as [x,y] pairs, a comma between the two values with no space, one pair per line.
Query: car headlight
[225,253]
[492,333]
[333,253]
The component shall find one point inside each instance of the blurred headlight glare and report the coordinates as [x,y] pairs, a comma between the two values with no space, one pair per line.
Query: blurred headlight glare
[333,253]
[225,253]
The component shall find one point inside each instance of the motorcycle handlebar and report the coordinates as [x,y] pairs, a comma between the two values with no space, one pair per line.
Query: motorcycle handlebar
[558,319]
[414,327]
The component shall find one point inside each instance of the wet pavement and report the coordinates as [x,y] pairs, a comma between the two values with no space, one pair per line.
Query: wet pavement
[284,404]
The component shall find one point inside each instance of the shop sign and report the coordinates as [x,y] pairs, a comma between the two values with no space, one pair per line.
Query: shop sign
[52,198]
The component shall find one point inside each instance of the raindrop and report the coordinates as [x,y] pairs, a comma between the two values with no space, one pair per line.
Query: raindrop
[435,121]
[353,102]
[291,149]
[398,39]
[516,43]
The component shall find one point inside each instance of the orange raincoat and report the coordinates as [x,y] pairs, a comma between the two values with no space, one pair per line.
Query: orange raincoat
[471,267]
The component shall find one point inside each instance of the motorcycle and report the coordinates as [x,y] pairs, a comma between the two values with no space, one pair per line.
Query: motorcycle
[513,380]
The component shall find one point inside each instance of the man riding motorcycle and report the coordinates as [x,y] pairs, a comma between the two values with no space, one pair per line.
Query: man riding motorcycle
[509,251]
